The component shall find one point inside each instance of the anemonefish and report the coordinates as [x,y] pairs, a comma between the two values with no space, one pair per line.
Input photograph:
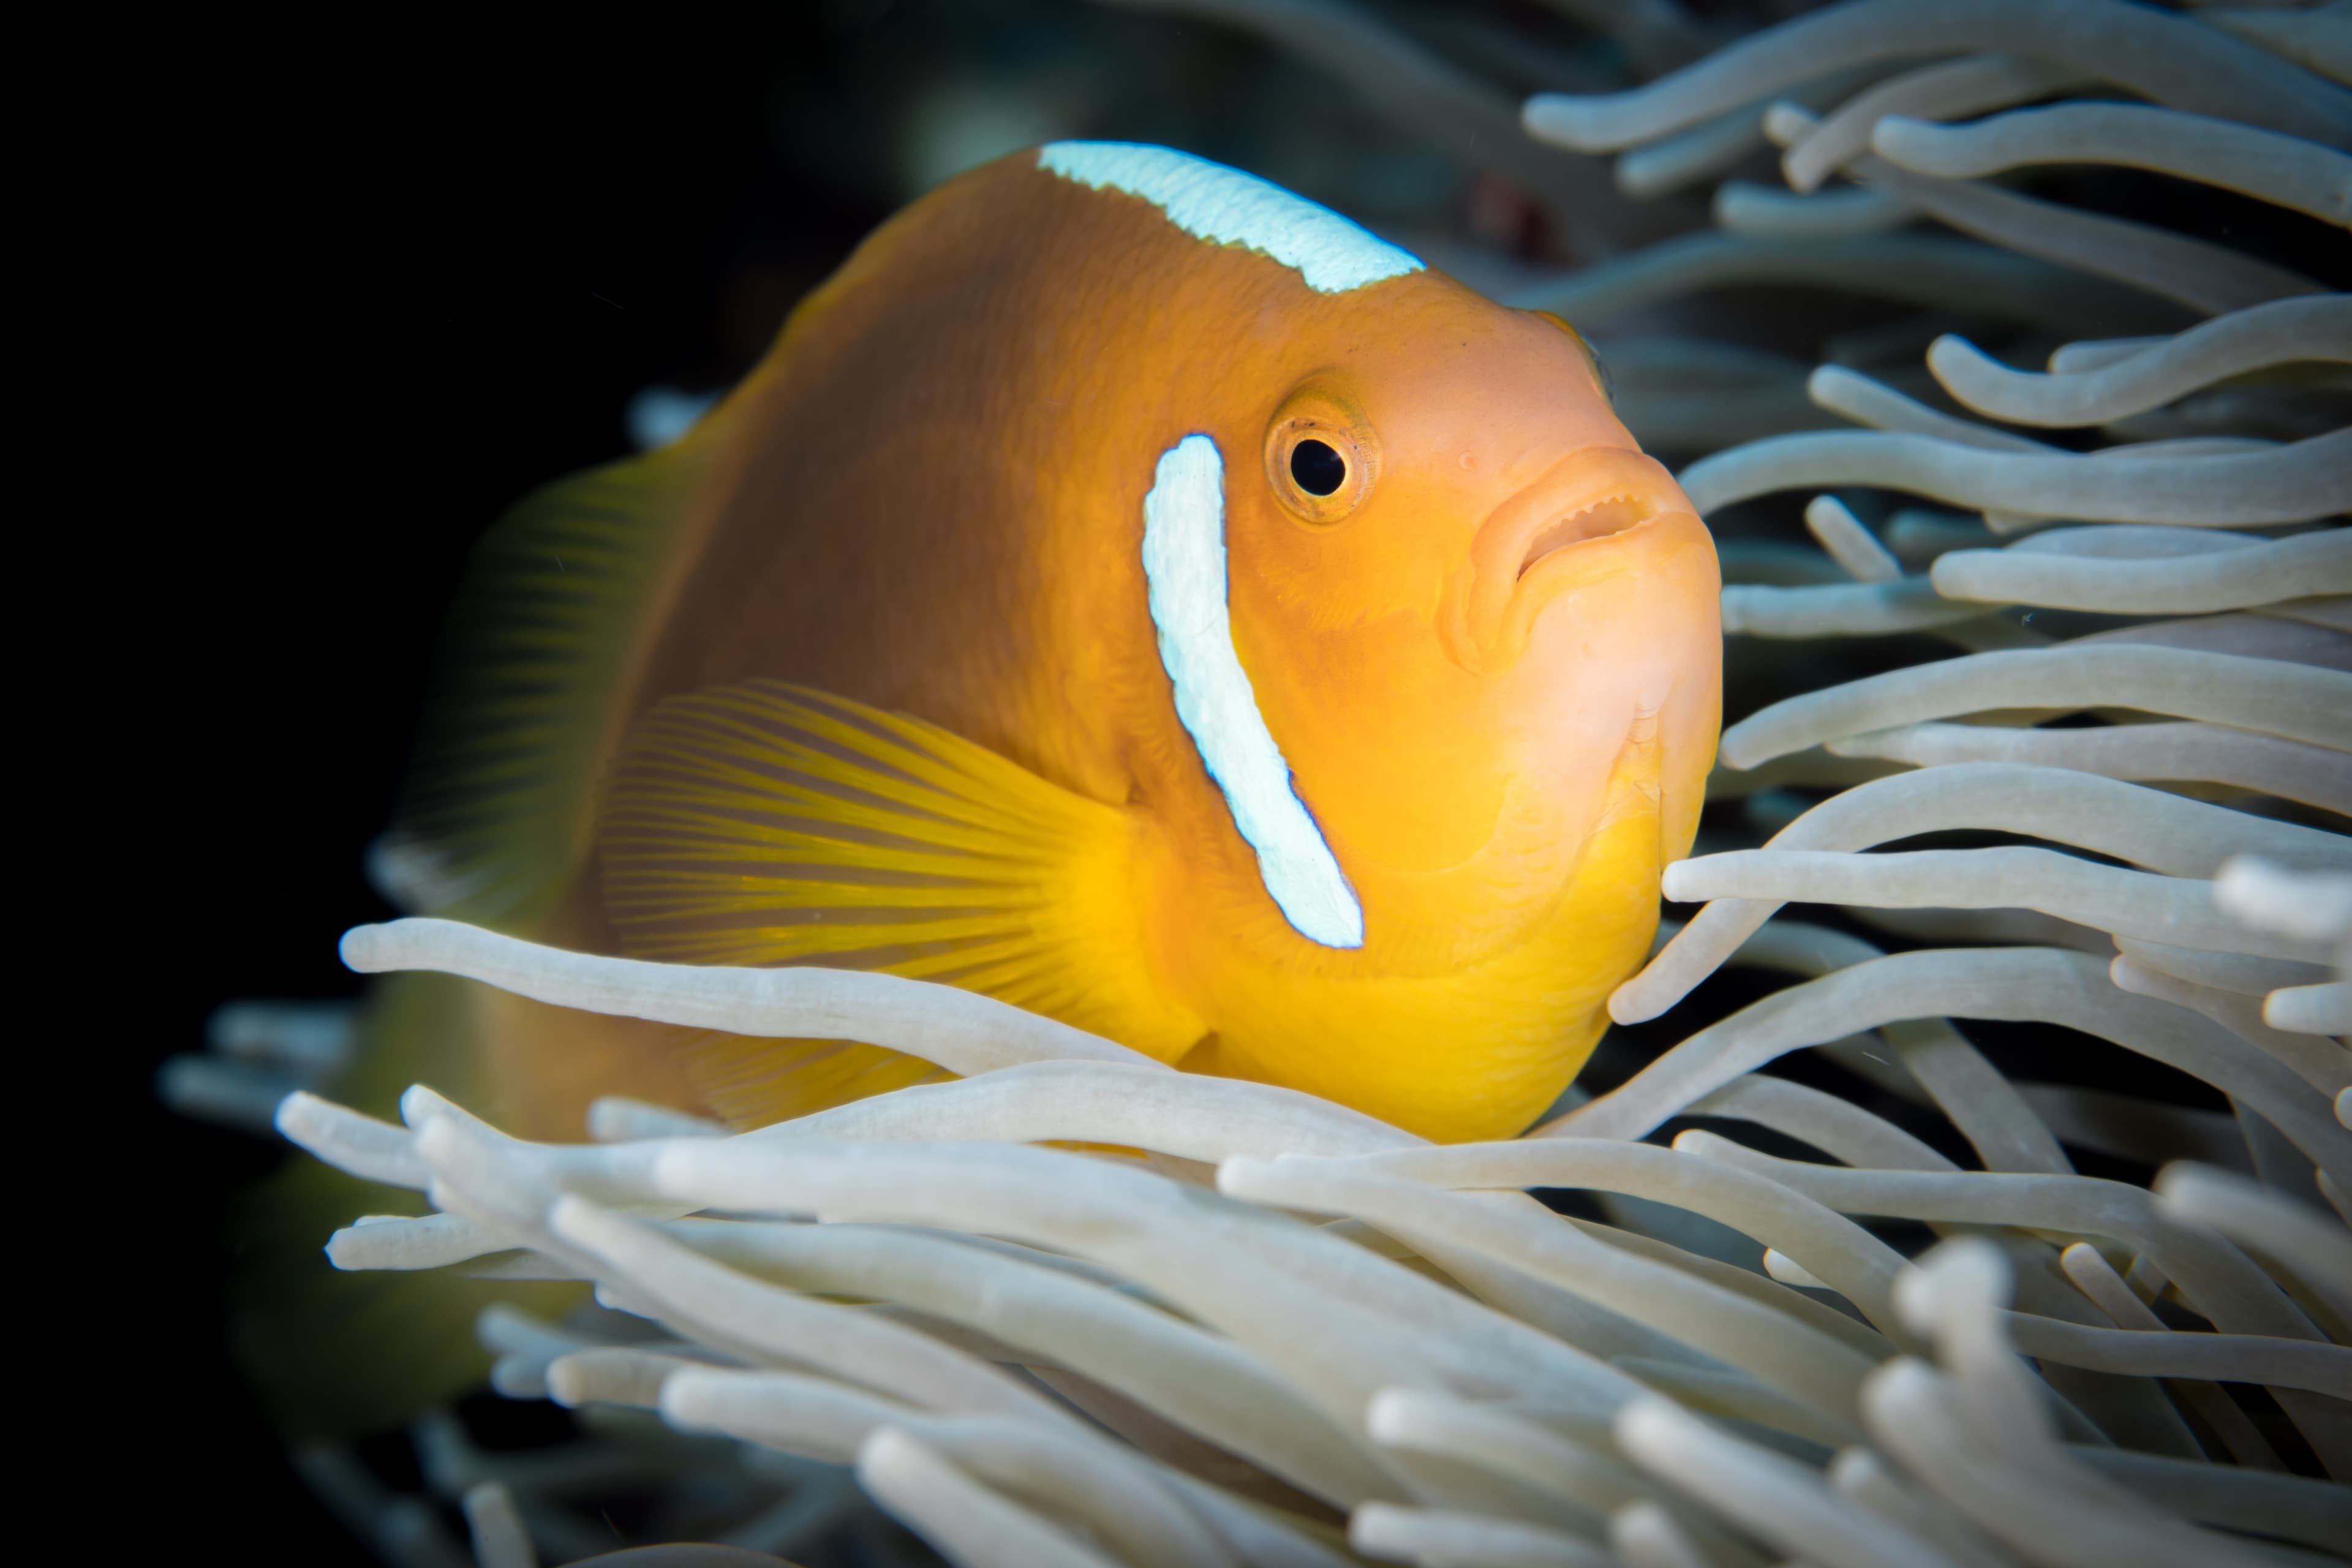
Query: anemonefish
[1126,589]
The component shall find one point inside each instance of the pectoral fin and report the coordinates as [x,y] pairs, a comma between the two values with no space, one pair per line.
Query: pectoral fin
[766,824]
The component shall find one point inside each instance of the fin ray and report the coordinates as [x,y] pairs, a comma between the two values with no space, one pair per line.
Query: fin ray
[767,824]
[496,808]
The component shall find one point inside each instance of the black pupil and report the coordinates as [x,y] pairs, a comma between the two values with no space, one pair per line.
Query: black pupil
[1318,470]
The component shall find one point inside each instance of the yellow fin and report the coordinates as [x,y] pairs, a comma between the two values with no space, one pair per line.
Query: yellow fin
[496,819]
[765,824]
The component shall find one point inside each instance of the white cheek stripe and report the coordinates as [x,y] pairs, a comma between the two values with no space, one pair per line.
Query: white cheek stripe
[1184,576]
[1225,206]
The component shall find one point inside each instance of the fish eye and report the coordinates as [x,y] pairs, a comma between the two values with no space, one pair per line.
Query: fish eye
[1321,455]
[1318,470]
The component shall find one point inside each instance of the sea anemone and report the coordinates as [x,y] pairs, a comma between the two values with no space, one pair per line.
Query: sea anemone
[2086,629]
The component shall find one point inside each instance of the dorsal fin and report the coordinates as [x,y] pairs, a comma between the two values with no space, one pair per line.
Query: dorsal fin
[765,824]
[495,819]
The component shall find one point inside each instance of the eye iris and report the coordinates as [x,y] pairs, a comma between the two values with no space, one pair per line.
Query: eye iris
[1318,470]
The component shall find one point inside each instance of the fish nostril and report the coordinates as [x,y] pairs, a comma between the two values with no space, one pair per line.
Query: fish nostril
[1611,514]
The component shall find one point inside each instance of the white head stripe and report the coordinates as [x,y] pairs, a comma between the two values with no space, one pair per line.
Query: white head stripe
[1226,206]
[1184,575]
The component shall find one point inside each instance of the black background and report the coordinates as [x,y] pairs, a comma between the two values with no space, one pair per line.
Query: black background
[373,288]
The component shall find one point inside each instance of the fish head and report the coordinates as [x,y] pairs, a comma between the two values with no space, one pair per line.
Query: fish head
[1469,605]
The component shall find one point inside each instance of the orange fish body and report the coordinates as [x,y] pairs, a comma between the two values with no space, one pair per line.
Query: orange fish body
[1243,643]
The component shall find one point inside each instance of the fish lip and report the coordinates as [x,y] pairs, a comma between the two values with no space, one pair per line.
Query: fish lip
[1593,502]
[1611,514]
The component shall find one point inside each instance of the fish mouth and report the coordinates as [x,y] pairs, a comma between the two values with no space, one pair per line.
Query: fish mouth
[1596,520]
[1583,519]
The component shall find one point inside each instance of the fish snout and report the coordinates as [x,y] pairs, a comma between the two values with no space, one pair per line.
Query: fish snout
[1587,517]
